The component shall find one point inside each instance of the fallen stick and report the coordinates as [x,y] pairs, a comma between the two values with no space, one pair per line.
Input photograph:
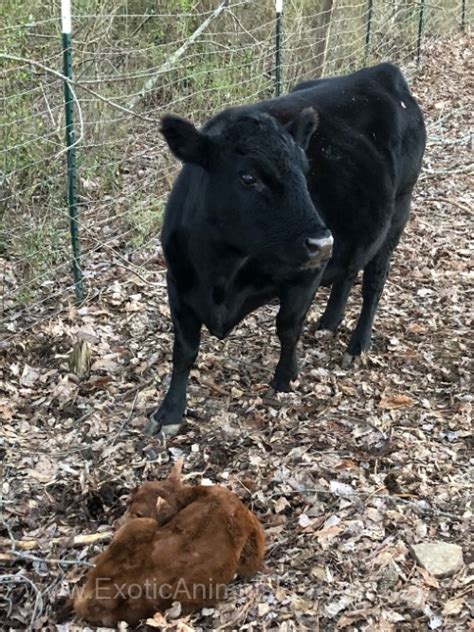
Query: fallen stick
[214,387]
[429,173]
[78,540]
[14,556]
[7,557]
[463,207]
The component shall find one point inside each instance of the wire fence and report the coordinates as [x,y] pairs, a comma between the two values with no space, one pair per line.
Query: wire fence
[133,60]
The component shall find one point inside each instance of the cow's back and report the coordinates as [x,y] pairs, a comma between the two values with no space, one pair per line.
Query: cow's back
[373,104]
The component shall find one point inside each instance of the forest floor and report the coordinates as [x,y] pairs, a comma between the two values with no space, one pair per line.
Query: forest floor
[346,473]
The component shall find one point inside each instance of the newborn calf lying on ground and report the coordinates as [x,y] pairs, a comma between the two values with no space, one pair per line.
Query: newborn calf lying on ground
[178,543]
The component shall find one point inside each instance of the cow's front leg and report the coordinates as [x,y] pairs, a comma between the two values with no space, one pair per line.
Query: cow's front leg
[294,303]
[187,334]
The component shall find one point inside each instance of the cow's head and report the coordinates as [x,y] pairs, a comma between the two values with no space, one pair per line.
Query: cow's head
[253,189]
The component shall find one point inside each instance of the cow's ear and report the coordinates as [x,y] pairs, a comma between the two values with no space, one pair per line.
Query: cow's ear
[304,126]
[185,141]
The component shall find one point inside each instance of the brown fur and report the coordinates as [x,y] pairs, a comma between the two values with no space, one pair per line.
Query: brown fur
[186,547]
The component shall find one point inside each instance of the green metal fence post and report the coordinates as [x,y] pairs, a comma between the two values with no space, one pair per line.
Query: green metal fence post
[421,15]
[279,11]
[71,149]
[463,15]
[369,27]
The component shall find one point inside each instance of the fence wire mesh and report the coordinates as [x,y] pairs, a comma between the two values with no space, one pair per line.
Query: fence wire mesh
[133,61]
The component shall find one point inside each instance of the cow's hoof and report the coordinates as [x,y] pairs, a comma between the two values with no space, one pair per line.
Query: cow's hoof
[152,427]
[347,360]
[168,431]
[161,431]
[281,386]
[327,325]
[169,415]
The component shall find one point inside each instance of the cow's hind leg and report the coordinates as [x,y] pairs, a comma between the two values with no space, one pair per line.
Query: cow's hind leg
[375,275]
[334,312]
[187,333]
[294,304]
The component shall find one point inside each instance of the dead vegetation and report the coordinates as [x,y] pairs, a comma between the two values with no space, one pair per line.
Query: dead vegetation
[346,473]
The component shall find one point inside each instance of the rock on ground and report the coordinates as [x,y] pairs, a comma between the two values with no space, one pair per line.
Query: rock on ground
[441,559]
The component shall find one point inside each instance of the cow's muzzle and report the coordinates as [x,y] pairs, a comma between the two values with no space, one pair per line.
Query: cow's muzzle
[318,249]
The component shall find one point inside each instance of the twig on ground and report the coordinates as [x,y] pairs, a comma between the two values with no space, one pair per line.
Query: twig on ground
[463,207]
[137,274]
[78,540]
[450,113]
[21,579]
[238,618]
[424,510]
[429,173]
[125,421]
[17,555]
[214,387]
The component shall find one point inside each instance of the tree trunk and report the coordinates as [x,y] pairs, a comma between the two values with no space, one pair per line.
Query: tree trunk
[322,23]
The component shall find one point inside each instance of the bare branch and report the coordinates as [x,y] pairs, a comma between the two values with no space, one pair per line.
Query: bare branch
[169,63]
[77,84]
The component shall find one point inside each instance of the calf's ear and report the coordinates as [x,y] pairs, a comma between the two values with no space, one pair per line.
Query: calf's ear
[174,476]
[185,141]
[130,498]
[304,126]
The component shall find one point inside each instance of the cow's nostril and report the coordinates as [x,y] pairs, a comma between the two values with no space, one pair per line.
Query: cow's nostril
[319,248]
[312,246]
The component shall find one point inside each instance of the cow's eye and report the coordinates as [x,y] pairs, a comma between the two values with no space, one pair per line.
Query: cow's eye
[247,179]
[139,514]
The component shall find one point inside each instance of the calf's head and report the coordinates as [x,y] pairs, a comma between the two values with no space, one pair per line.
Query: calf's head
[252,190]
[156,500]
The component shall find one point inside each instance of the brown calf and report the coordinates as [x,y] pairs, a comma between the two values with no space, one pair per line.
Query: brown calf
[178,543]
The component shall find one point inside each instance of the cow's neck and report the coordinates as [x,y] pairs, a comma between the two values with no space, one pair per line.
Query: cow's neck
[218,266]
[225,294]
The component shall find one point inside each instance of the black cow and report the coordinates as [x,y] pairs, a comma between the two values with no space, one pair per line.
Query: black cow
[262,191]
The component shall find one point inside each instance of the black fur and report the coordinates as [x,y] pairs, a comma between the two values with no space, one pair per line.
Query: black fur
[341,154]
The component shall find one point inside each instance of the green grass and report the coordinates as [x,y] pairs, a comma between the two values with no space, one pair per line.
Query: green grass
[145,218]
